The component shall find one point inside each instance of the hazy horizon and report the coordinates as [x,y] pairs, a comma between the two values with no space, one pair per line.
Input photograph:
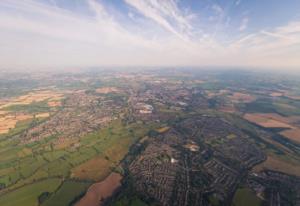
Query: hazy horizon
[47,34]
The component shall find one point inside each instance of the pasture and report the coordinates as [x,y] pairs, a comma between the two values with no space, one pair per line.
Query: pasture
[246,197]
[28,195]
[66,193]
[91,157]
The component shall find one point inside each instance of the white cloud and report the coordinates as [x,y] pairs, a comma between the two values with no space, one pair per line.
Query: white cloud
[34,34]
[278,47]
[165,13]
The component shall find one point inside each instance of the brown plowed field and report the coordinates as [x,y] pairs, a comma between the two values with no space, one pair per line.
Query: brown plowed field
[98,192]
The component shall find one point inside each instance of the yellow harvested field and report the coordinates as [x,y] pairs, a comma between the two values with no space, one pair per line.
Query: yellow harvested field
[31,97]
[231,136]
[42,115]
[241,97]
[220,92]
[292,134]
[274,163]
[94,169]
[9,121]
[3,112]
[163,129]
[276,94]
[211,94]
[268,121]
[106,90]
[54,103]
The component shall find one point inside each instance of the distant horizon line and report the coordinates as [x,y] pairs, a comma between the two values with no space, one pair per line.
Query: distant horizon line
[141,67]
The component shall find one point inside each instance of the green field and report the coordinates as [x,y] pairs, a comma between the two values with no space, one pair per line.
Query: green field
[67,193]
[133,201]
[34,107]
[281,106]
[49,166]
[22,165]
[20,127]
[246,197]
[28,195]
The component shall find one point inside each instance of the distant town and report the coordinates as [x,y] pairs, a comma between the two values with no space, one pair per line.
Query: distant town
[152,137]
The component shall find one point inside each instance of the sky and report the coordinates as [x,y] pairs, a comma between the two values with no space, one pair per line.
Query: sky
[89,33]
